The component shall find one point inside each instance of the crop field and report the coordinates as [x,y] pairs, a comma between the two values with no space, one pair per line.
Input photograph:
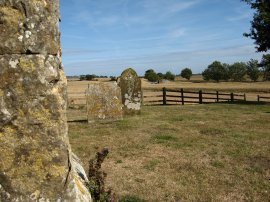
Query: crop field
[213,152]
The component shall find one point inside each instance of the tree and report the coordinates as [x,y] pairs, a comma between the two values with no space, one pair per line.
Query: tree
[113,78]
[265,64]
[253,70]
[226,75]
[260,26]
[82,77]
[169,76]
[160,75]
[90,77]
[237,71]
[215,71]
[151,75]
[186,73]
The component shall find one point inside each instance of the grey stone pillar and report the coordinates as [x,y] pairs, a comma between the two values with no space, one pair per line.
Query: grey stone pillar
[36,162]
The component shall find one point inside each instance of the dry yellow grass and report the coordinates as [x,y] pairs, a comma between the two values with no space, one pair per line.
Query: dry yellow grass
[223,86]
[217,152]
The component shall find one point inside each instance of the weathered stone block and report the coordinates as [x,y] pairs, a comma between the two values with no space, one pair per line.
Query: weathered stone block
[36,162]
[103,102]
[131,91]
[34,147]
[29,26]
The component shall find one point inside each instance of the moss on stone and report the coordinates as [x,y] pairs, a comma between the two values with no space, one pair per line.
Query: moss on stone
[129,71]
[26,64]
[130,85]
[11,16]
[104,102]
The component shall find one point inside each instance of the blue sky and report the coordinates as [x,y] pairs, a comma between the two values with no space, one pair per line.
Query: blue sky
[104,37]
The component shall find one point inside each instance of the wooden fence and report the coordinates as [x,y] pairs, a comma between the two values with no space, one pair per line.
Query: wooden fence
[263,99]
[169,97]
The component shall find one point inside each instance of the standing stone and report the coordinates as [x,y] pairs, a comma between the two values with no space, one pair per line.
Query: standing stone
[103,102]
[131,91]
[36,162]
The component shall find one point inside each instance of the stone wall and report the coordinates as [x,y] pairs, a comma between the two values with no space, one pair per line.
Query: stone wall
[36,160]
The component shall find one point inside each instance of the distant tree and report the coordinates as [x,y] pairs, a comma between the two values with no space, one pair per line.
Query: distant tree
[160,75]
[265,65]
[186,73]
[113,78]
[90,77]
[260,25]
[207,74]
[82,77]
[151,75]
[169,76]
[237,71]
[226,75]
[253,70]
[215,71]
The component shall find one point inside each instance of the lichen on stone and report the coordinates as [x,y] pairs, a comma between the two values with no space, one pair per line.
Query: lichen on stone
[130,85]
[36,158]
[103,102]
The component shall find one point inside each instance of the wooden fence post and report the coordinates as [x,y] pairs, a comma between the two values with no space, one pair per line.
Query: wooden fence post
[182,96]
[258,98]
[142,100]
[217,97]
[164,96]
[87,103]
[245,97]
[232,97]
[200,97]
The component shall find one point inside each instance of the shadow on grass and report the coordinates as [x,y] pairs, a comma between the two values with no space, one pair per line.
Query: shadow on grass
[240,103]
[229,102]
[78,121]
[131,198]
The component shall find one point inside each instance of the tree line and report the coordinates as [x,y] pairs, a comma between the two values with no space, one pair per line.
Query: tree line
[90,77]
[152,76]
[218,71]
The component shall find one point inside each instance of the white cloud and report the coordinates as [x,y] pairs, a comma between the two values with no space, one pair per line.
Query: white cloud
[197,60]
[108,20]
[181,6]
[178,33]
[240,16]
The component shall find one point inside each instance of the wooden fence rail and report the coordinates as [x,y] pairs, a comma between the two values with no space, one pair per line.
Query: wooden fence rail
[198,97]
[263,98]
[177,96]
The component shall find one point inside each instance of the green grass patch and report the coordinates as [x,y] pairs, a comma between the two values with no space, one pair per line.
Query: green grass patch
[124,124]
[217,164]
[162,138]
[150,165]
[130,198]
[212,131]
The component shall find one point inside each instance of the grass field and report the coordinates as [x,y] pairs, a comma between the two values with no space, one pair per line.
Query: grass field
[215,152]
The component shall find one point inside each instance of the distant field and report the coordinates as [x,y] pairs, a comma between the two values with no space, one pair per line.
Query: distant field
[216,152]
[76,89]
